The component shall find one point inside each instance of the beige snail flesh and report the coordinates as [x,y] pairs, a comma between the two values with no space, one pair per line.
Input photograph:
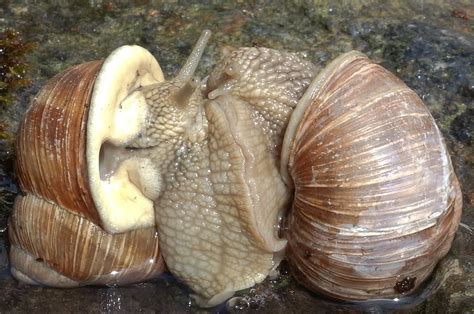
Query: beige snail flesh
[222,194]
[81,219]
[376,202]
[219,193]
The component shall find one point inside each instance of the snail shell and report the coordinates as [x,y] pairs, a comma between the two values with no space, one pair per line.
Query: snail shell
[85,216]
[376,200]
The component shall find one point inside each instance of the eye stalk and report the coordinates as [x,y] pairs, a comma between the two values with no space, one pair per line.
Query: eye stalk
[182,96]
[187,71]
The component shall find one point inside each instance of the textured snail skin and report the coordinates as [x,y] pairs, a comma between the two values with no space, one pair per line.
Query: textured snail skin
[54,229]
[222,194]
[269,81]
[376,201]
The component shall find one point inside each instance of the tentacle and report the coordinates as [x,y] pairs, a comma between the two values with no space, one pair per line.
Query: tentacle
[193,60]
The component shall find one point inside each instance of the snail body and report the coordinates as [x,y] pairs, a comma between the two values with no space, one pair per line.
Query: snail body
[221,197]
[222,158]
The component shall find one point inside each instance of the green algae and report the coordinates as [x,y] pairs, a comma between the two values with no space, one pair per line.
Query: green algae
[13,69]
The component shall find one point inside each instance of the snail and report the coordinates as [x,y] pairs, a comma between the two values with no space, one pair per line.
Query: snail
[345,169]
[77,222]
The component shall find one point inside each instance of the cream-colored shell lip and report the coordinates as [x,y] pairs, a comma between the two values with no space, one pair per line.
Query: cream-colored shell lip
[117,115]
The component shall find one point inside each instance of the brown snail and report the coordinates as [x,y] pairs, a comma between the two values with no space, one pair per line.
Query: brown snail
[61,229]
[376,202]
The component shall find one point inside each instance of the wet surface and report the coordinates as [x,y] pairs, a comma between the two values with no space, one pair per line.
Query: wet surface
[428,44]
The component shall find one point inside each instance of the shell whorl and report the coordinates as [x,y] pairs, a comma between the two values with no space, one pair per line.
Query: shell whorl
[74,247]
[51,143]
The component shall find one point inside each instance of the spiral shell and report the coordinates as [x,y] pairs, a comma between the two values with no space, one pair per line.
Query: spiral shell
[376,201]
[63,229]
[52,246]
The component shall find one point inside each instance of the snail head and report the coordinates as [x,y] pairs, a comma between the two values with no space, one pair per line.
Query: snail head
[176,106]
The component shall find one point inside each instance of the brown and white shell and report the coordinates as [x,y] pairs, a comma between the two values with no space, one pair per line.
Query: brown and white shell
[63,231]
[376,202]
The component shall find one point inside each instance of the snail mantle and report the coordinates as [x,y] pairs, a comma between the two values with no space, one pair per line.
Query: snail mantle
[123,172]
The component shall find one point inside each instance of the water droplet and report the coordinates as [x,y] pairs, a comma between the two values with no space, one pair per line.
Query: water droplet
[237,303]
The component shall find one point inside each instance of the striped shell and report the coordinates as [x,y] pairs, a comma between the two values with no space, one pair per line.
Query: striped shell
[56,231]
[52,246]
[376,201]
